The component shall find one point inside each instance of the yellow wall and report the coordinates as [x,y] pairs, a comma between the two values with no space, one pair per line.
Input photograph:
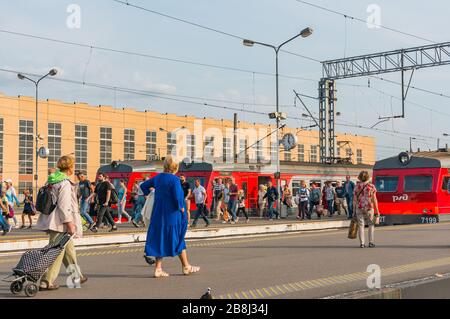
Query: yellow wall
[68,114]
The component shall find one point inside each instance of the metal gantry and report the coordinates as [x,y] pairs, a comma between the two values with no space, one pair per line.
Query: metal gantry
[402,60]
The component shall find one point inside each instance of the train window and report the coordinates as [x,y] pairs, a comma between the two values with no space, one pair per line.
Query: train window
[386,184]
[445,183]
[418,183]
[116,182]
[295,187]
[318,183]
[263,180]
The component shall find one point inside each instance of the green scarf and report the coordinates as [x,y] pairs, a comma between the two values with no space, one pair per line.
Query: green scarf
[56,177]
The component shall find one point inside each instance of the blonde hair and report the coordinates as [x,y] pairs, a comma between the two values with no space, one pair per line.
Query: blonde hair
[363,176]
[170,166]
[65,163]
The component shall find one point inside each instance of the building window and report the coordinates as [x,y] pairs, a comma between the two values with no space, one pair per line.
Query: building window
[25,147]
[313,155]
[338,151]
[243,150]
[301,152]
[150,145]
[81,148]
[227,149]
[105,145]
[172,144]
[348,153]
[25,186]
[359,156]
[128,144]
[190,146]
[1,146]
[287,155]
[54,144]
[259,152]
[209,147]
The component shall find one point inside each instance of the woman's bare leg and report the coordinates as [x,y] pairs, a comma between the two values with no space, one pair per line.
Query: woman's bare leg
[183,258]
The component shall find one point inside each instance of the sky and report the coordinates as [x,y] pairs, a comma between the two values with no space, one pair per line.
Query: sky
[110,24]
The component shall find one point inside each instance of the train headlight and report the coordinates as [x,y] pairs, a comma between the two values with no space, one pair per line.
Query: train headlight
[404,158]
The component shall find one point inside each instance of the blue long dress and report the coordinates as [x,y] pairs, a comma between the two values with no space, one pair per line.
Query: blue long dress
[168,225]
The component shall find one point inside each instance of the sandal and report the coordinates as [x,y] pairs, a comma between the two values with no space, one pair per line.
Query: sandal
[190,270]
[48,287]
[160,273]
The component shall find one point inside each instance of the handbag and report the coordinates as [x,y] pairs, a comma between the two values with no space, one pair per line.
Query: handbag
[147,210]
[11,212]
[353,229]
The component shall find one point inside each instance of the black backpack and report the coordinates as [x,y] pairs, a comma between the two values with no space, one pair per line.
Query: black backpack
[44,200]
[114,199]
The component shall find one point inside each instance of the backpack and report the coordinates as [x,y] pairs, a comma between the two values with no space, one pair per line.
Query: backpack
[44,200]
[114,199]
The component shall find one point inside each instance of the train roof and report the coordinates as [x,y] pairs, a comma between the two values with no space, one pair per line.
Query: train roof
[431,159]
[131,166]
[286,167]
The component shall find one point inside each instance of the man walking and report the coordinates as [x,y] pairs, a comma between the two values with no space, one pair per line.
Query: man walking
[187,195]
[349,187]
[200,201]
[84,191]
[272,196]
[341,202]
[314,200]
[103,195]
[233,200]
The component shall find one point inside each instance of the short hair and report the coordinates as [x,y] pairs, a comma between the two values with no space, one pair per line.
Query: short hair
[65,163]
[170,166]
[122,181]
[363,176]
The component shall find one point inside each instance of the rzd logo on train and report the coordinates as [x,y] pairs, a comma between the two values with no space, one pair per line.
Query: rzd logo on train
[401,198]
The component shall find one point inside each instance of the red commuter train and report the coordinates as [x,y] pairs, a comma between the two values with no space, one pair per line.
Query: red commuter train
[247,176]
[413,187]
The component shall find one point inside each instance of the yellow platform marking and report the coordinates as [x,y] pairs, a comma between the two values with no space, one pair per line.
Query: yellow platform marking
[341,279]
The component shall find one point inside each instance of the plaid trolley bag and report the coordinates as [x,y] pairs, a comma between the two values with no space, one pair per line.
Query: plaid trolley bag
[33,265]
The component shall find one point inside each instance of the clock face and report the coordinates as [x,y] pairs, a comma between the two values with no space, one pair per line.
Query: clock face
[289,141]
[43,152]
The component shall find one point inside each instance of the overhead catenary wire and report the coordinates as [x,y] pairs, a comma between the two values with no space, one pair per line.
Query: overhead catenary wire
[347,16]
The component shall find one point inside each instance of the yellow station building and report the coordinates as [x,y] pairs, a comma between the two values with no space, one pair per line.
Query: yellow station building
[97,135]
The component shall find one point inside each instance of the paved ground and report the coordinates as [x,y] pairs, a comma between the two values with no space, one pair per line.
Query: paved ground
[17,234]
[305,265]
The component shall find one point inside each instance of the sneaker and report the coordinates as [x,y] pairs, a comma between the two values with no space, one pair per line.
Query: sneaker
[93,229]
[29,227]
[22,227]
[362,246]
[371,245]
[232,223]
[119,222]
[135,224]
[207,225]
[298,217]
[224,222]
[114,228]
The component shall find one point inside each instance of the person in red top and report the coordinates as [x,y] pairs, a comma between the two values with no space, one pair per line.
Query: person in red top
[365,205]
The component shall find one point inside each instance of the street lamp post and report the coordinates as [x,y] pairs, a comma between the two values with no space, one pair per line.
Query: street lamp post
[304,34]
[52,72]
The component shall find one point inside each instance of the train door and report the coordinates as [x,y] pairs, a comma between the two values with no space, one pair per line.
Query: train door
[444,195]
[244,187]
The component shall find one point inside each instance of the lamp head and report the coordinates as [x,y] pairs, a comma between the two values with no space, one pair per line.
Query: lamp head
[20,76]
[248,43]
[306,32]
[53,72]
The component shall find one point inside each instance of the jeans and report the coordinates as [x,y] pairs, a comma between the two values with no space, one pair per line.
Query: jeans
[84,204]
[272,210]
[303,210]
[200,212]
[104,211]
[232,208]
[349,205]
[138,208]
[330,206]
[3,223]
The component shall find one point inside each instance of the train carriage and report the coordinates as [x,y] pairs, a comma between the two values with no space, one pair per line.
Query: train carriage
[247,176]
[412,188]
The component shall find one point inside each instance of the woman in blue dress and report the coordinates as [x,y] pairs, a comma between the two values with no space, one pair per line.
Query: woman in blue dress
[169,222]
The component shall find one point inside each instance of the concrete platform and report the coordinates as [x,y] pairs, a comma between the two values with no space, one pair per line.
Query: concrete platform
[20,240]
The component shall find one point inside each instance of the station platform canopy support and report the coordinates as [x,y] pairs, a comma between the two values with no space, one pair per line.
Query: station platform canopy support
[402,60]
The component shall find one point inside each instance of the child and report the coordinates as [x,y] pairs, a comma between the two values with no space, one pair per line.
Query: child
[241,205]
[28,208]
